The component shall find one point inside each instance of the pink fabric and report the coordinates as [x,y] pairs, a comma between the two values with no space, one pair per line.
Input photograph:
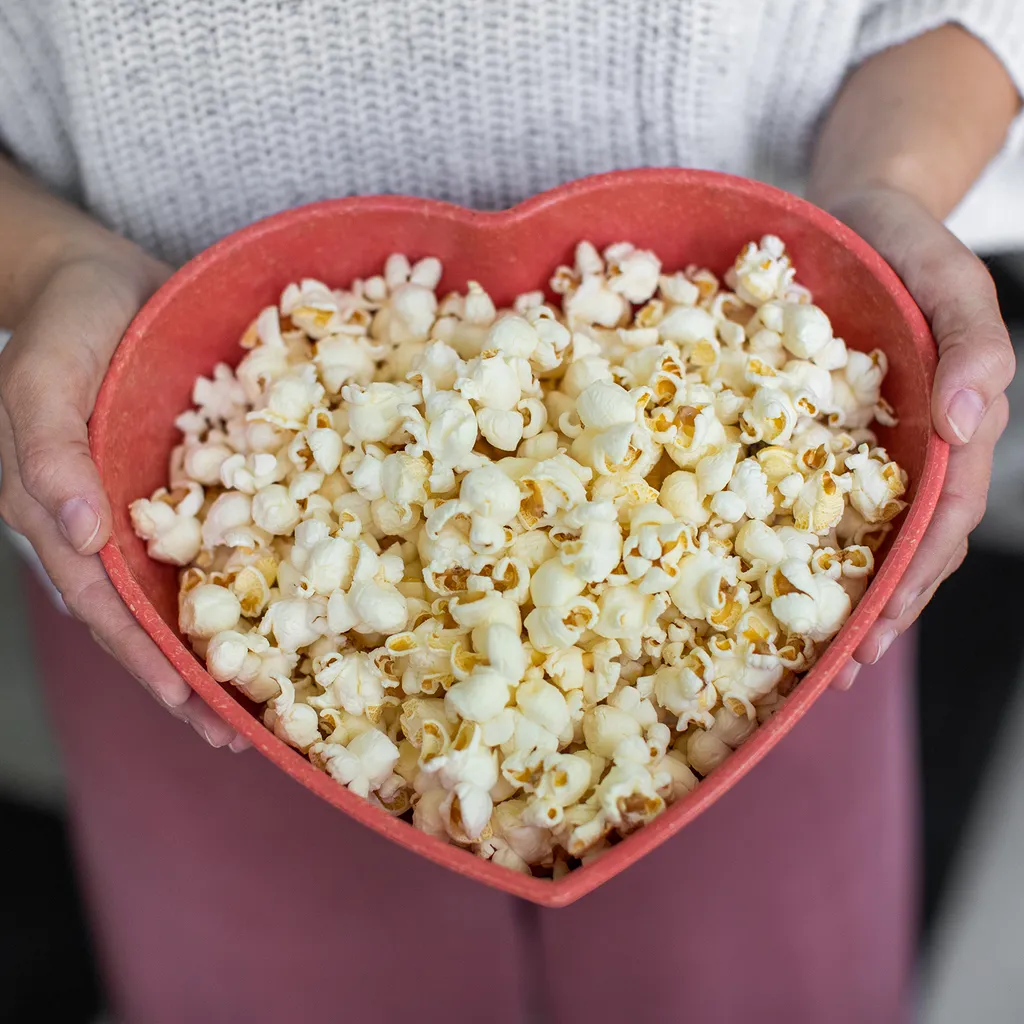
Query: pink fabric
[222,891]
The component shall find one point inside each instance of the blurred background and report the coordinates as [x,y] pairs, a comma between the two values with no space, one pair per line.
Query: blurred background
[971,749]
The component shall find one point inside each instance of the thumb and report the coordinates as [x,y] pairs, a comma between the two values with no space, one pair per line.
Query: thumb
[49,376]
[976,360]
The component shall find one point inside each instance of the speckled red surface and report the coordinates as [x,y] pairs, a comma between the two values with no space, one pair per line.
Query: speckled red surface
[686,216]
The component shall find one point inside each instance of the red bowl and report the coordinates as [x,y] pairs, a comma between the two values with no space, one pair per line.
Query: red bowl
[197,317]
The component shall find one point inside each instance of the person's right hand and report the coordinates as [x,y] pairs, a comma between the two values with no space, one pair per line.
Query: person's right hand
[50,490]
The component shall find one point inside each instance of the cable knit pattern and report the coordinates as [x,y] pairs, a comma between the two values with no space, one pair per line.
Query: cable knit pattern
[179,122]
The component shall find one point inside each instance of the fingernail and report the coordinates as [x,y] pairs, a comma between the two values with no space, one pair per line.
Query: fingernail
[965,413]
[214,742]
[884,643]
[238,744]
[78,522]
[101,643]
[174,709]
[847,677]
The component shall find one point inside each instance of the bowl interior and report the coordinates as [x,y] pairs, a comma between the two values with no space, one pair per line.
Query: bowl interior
[195,321]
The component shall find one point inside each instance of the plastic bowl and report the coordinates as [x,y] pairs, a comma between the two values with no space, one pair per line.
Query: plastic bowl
[197,317]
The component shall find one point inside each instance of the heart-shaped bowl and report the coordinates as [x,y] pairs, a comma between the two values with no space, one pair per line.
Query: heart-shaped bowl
[195,320]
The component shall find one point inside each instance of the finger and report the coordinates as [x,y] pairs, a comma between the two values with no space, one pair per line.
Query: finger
[885,631]
[91,597]
[51,372]
[959,510]
[976,360]
[207,723]
[846,675]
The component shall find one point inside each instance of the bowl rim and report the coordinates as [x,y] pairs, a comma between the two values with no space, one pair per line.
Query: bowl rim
[546,892]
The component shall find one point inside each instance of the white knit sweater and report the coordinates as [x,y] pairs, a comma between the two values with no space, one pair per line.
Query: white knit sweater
[177,121]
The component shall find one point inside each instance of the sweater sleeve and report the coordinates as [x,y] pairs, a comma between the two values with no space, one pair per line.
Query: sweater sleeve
[999,24]
[33,101]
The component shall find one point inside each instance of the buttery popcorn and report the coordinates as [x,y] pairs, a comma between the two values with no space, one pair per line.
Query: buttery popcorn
[526,575]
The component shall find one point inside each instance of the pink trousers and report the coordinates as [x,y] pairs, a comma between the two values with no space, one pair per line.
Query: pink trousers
[222,892]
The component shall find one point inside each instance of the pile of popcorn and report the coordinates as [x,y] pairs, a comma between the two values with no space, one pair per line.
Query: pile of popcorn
[526,575]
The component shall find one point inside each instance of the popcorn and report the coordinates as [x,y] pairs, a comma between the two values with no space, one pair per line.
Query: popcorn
[613,438]
[551,486]
[545,705]
[291,720]
[626,614]
[589,540]
[560,614]
[770,417]
[676,777]
[466,812]
[480,697]
[467,766]
[446,431]
[680,494]
[376,411]
[686,690]
[208,609]
[364,765]
[807,603]
[275,510]
[230,512]
[295,622]
[290,399]
[746,495]
[706,582]
[762,272]
[554,782]
[524,575]
[819,505]
[876,485]
[633,273]
[350,681]
[168,523]
[247,661]
[706,751]
[689,433]
[605,728]
[372,604]
[806,330]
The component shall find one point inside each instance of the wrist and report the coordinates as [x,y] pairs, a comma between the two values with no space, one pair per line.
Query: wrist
[88,246]
[898,178]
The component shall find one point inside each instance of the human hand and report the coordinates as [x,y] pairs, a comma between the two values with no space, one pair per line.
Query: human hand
[969,409]
[50,491]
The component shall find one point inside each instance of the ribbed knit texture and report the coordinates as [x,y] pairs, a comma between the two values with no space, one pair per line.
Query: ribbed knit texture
[179,122]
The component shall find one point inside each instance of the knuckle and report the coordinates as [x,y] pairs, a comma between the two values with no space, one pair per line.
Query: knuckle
[1002,359]
[974,513]
[983,353]
[38,469]
[963,512]
[1001,411]
[960,269]
[80,601]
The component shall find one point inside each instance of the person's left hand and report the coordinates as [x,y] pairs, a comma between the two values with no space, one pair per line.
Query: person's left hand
[969,409]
